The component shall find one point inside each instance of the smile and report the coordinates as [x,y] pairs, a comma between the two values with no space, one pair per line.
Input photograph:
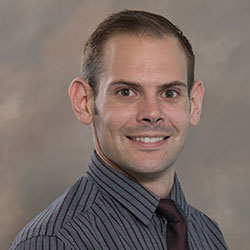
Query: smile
[148,139]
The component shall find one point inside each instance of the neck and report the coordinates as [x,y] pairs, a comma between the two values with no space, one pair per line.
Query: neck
[160,186]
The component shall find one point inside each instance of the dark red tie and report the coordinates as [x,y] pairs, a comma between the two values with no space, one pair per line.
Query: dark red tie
[176,228]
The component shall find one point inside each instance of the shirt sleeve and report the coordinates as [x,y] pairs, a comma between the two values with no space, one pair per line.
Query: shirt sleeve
[54,243]
[41,243]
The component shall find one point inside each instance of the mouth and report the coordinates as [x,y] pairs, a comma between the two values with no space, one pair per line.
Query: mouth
[149,139]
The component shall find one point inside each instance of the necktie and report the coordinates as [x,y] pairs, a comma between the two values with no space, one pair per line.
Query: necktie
[176,228]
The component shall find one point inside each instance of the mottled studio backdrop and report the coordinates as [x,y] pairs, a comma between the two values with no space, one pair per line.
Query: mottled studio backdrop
[43,148]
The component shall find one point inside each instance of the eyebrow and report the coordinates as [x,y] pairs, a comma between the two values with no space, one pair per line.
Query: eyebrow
[172,84]
[127,83]
[139,85]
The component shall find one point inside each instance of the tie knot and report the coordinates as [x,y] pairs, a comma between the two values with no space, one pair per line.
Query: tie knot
[167,209]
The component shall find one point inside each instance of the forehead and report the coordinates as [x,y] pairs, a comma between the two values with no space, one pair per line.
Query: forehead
[144,59]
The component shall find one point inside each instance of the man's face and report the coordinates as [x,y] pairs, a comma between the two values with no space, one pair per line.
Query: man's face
[143,104]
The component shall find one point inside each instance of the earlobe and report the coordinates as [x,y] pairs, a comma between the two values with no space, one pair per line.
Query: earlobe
[81,98]
[196,97]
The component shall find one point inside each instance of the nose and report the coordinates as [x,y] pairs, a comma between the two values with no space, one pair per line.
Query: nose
[149,110]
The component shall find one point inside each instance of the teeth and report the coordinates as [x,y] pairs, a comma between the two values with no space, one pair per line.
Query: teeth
[148,139]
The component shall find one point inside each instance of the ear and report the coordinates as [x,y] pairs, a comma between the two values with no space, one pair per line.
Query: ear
[81,96]
[196,96]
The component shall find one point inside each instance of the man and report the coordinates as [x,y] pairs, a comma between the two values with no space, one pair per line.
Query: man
[138,92]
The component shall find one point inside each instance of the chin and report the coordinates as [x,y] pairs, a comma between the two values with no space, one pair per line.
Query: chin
[147,173]
[148,167]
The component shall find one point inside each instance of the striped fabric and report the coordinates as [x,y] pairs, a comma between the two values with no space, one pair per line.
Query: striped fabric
[106,210]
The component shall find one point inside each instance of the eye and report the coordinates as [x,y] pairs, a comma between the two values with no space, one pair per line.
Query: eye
[126,92]
[170,93]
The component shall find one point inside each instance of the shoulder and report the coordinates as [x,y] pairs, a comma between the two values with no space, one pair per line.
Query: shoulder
[205,229]
[200,218]
[46,227]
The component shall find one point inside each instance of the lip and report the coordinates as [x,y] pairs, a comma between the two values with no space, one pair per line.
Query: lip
[148,142]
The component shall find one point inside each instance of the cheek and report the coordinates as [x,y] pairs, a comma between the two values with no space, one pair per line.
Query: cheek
[118,116]
[179,117]
[110,124]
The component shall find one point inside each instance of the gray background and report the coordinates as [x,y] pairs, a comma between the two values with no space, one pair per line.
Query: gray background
[43,148]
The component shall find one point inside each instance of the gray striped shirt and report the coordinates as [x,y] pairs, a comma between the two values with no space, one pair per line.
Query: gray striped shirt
[106,210]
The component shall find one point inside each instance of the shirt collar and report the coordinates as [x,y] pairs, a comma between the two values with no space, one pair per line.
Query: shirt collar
[178,197]
[137,199]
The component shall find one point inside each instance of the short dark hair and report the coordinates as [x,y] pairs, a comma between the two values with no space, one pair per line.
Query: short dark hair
[130,22]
